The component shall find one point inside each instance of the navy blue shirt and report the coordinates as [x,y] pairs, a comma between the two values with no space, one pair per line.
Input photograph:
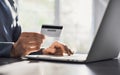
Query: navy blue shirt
[9,27]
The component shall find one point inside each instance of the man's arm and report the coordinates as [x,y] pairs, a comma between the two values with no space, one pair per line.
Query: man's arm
[9,28]
[6,46]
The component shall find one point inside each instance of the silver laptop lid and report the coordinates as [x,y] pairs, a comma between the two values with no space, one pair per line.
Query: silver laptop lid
[105,45]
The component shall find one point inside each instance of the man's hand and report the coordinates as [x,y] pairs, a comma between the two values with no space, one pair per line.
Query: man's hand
[57,49]
[28,42]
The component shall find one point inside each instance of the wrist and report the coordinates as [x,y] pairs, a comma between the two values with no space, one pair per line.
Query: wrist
[14,52]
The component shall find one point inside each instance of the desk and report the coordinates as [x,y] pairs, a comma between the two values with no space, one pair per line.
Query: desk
[10,66]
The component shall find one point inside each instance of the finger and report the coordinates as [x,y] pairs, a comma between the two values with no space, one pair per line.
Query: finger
[33,45]
[58,52]
[34,42]
[49,51]
[68,51]
[37,35]
[62,47]
[58,45]
[30,40]
[31,49]
[32,34]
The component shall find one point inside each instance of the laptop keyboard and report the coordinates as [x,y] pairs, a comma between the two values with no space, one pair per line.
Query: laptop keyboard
[78,57]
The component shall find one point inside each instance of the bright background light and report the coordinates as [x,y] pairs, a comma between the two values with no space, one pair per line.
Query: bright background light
[74,15]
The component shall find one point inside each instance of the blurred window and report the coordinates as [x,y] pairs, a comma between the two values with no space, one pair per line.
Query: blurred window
[74,15]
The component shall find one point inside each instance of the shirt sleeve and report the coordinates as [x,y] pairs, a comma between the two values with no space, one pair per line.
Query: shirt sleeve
[10,30]
[5,49]
[16,33]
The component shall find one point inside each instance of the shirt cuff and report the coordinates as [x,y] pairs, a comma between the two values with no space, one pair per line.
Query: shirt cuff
[5,48]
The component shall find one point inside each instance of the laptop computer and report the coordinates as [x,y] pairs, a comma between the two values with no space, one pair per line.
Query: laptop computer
[105,44]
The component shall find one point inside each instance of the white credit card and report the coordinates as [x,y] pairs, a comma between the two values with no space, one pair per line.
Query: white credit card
[51,30]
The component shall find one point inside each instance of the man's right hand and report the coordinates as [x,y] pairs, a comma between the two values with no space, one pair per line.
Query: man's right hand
[57,49]
[27,43]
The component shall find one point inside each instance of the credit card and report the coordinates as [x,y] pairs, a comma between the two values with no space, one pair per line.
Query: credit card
[51,30]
